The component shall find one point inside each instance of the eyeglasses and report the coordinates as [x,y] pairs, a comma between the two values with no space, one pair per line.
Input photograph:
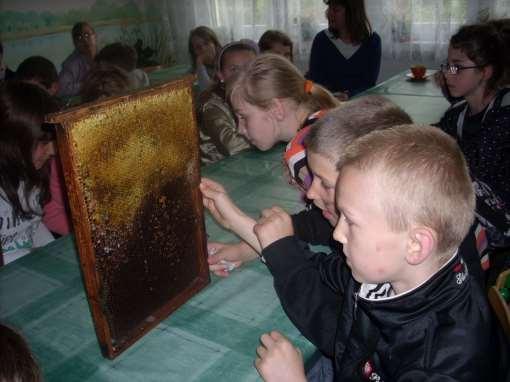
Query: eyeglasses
[81,36]
[455,69]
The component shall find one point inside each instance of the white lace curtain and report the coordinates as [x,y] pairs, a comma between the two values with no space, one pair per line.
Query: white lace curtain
[410,29]
[421,29]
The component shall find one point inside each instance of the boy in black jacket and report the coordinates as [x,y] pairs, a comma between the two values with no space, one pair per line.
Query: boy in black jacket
[400,306]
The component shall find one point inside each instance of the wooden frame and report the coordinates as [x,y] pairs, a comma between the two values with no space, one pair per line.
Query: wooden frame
[131,166]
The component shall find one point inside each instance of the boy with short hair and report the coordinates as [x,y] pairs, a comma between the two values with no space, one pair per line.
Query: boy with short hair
[40,71]
[407,309]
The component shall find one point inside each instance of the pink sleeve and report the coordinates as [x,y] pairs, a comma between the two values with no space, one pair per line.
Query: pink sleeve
[55,212]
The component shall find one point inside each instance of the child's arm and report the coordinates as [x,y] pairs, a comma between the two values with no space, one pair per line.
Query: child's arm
[226,213]
[274,225]
[217,122]
[310,226]
[55,215]
[313,280]
[222,256]
[278,360]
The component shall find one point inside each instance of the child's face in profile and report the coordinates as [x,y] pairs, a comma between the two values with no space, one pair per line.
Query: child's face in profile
[256,124]
[322,189]
[43,151]
[466,81]
[373,251]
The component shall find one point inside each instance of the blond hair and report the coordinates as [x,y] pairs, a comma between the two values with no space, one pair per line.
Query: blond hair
[272,76]
[424,177]
[339,127]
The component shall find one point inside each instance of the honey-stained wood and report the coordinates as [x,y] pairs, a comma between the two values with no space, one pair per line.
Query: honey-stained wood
[131,168]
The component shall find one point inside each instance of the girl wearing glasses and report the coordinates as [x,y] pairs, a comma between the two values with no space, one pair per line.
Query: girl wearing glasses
[480,123]
[76,67]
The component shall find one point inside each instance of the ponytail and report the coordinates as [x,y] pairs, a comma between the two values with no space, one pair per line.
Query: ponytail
[272,76]
[319,97]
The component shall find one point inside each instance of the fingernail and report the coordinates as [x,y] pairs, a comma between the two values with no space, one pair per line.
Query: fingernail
[229,267]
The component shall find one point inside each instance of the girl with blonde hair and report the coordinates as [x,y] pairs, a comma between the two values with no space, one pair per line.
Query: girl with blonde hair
[273,101]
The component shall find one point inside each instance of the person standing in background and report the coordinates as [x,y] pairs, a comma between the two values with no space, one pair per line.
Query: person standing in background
[345,57]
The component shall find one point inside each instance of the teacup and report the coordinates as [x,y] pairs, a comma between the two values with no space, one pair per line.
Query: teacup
[418,71]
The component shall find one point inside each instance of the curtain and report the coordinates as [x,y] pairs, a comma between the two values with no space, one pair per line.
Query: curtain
[421,29]
[410,29]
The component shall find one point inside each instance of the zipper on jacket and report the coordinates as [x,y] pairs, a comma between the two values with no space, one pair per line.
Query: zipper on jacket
[355,304]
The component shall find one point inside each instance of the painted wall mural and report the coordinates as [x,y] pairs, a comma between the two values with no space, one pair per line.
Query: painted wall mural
[35,27]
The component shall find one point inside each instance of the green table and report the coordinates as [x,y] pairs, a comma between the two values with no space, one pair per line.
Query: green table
[211,338]
[168,73]
[214,335]
[421,99]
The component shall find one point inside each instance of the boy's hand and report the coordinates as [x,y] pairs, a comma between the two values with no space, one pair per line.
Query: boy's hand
[219,204]
[274,225]
[221,256]
[278,360]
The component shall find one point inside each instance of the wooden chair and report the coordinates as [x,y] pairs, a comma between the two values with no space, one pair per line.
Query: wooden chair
[499,305]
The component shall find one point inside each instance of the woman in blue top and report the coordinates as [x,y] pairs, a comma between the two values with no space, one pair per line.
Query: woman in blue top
[346,57]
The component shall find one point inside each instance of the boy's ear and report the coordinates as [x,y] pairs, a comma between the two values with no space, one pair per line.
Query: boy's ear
[487,72]
[422,243]
[277,109]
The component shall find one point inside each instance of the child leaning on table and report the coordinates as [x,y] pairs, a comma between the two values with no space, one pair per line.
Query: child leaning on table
[25,149]
[407,308]
[324,142]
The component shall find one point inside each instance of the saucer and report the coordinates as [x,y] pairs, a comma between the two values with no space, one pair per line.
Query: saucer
[410,77]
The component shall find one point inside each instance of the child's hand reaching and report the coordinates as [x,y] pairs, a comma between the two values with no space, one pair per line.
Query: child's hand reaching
[278,360]
[274,225]
[222,256]
[219,204]
[226,213]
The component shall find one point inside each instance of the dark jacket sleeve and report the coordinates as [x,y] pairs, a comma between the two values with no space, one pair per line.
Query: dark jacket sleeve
[310,287]
[310,226]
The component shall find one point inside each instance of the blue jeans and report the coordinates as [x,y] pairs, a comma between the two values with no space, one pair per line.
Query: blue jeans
[321,371]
